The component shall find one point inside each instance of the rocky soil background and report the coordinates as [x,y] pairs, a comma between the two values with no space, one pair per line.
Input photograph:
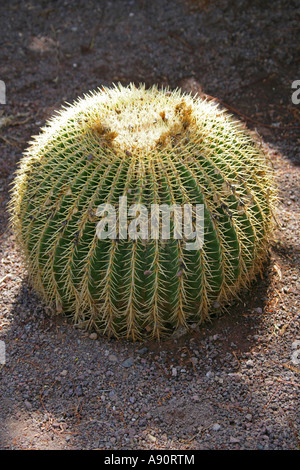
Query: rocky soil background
[232,384]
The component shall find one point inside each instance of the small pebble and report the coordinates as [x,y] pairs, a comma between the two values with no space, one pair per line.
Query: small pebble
[142,350]
[128,362]
[216,427]
[112,358]
[28,405]
[258,310]
[196,398]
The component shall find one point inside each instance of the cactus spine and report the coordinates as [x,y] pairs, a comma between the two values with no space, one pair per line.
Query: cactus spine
[154,147]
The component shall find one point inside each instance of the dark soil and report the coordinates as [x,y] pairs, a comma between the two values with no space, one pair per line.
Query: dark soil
[232,384]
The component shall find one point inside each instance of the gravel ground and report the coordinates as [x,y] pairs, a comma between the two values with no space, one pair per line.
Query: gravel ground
[232,384]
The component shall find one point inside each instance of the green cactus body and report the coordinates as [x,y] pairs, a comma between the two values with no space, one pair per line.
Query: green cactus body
[154,147]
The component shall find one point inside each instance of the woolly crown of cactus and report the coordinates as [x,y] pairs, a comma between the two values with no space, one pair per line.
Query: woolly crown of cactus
[153,146]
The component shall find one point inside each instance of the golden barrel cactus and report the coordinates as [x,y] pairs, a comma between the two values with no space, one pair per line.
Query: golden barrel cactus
[149,147]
